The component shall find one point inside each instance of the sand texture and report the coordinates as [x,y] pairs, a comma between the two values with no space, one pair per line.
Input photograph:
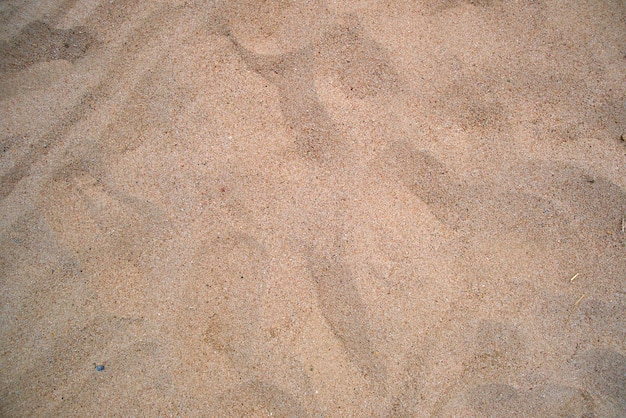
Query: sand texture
[313,208]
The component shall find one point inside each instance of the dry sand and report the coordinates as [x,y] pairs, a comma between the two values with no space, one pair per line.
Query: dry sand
[313,208]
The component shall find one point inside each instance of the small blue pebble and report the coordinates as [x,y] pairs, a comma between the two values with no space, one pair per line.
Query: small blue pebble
[99,367]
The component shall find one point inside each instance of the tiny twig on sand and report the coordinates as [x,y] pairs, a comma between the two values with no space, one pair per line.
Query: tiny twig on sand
[573,277]
[579,299]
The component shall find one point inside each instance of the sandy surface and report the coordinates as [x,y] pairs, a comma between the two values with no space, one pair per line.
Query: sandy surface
[314,208]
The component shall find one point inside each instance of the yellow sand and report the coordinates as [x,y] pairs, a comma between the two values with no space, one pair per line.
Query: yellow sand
[313,208]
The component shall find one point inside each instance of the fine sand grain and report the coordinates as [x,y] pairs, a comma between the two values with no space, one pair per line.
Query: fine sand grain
[313,208]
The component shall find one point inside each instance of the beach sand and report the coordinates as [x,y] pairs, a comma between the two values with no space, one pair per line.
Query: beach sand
[314,208]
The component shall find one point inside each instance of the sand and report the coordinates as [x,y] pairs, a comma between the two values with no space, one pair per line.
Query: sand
[313,208]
